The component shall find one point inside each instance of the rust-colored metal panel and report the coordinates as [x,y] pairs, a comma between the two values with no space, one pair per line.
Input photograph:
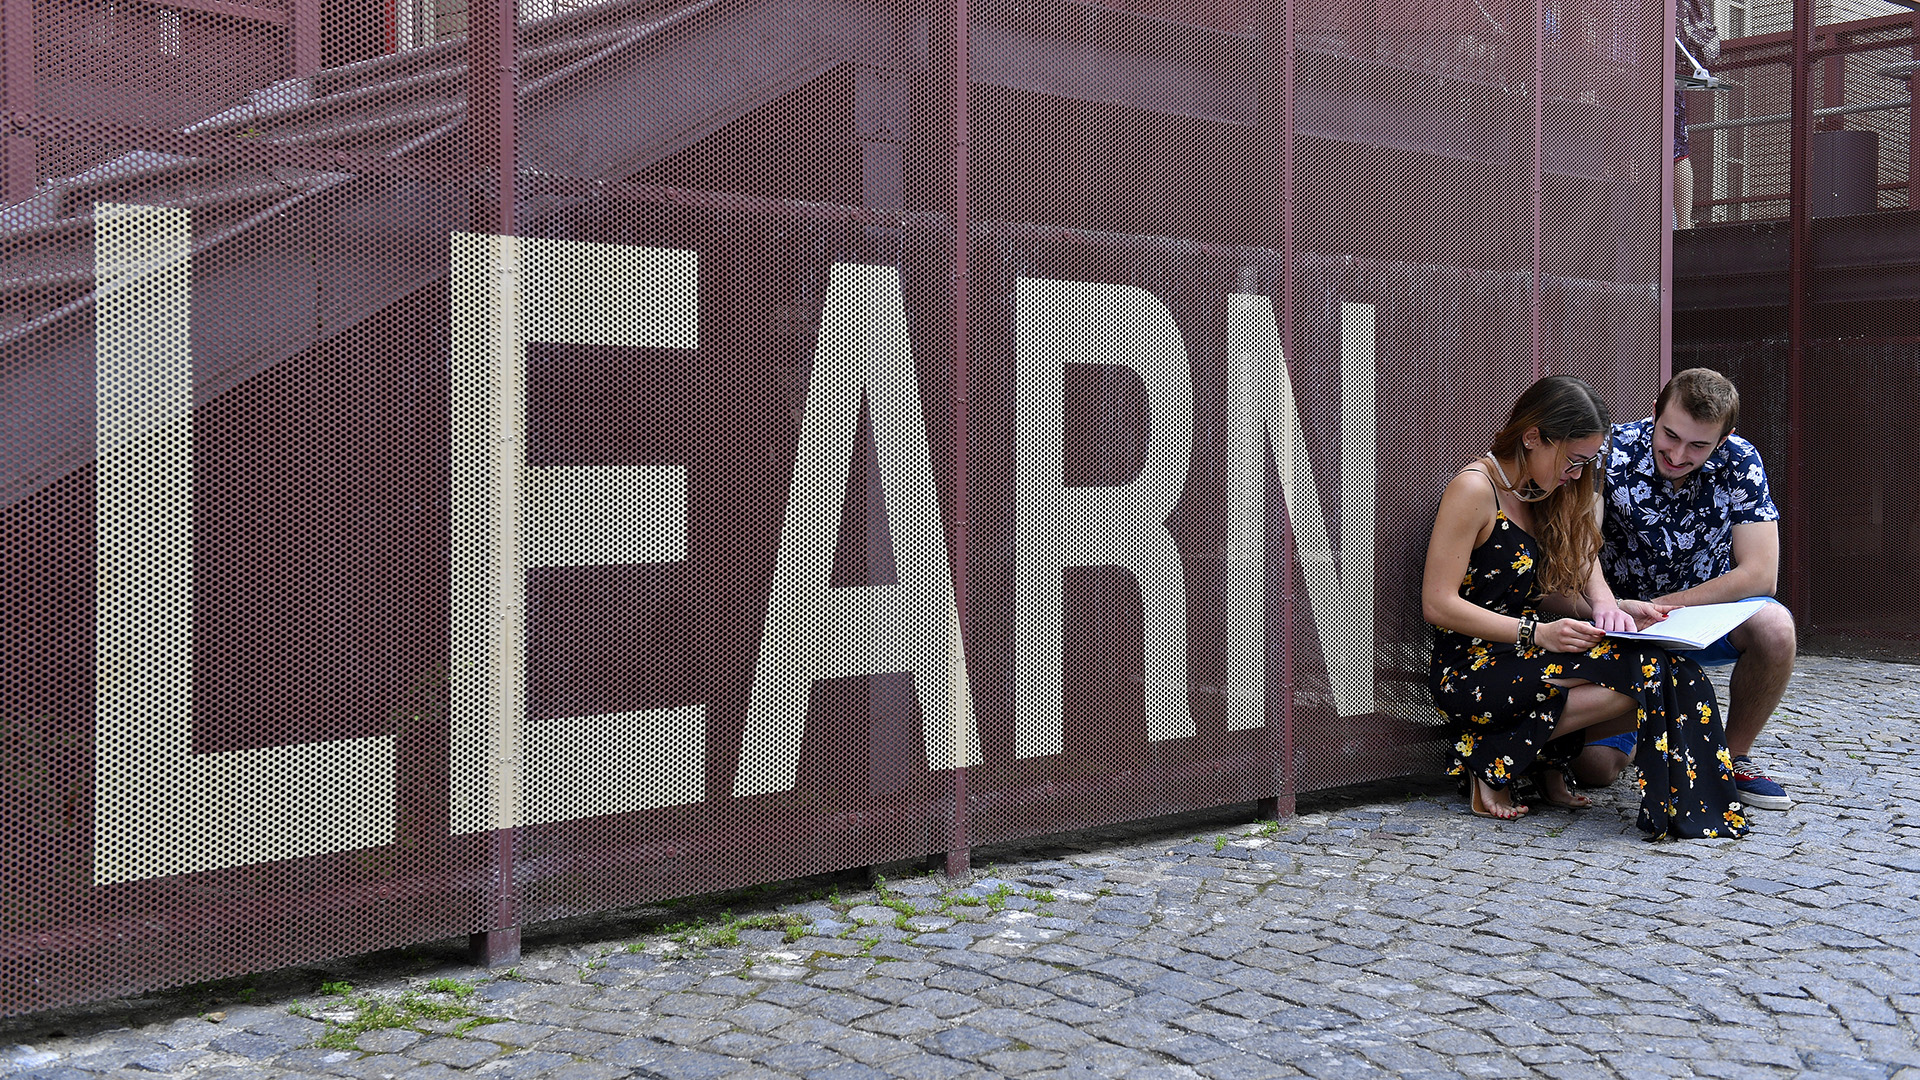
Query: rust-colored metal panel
[652,448]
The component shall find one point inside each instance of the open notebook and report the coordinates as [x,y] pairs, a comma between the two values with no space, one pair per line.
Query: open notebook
[1695,627]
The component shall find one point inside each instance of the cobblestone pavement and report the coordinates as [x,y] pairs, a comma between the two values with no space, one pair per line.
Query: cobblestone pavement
[1380,932]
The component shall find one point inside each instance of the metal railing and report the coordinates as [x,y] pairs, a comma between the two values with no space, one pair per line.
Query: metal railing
[1743,131]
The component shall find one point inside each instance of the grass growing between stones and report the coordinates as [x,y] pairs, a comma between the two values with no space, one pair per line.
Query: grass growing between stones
[724,932]
[353,1015]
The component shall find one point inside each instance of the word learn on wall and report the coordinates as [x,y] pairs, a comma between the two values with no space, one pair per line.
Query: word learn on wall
[255,805]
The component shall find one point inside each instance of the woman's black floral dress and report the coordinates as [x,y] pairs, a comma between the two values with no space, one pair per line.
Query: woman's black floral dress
[1501,706]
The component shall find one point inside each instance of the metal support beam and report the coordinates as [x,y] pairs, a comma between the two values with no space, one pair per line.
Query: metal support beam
[959,840]
[492,132]
[1280,806]
[1539,164]
[1796,508]
[1289,133]
[17,102]
[1669,70]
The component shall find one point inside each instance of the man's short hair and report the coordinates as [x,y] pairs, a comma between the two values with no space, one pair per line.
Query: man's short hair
[1707,395]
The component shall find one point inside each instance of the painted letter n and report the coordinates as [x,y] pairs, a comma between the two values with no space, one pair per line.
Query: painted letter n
[1264,413]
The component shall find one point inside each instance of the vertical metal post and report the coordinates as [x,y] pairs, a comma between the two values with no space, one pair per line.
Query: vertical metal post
[492,123]
[17,169]
[1539,162]
[303,38]
[1668,73]
[1289,72]
[1913,111]
[1796,515]
[958,841]
[1833,87]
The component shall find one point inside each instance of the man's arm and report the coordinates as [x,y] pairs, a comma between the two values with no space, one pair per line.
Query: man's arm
[1756,569]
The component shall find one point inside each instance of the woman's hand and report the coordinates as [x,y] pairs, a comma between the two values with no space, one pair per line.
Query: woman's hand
[1645,613]
[1610,618]
[1568,635]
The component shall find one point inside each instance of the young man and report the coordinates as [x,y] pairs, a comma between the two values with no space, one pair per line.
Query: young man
[1689,520]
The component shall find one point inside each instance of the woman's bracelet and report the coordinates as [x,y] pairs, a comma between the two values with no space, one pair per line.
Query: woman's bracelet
[1527,626]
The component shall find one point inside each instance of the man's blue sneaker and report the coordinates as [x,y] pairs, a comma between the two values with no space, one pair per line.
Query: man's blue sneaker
[1756,787]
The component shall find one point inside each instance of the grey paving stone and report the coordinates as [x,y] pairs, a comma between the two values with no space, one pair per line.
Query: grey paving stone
[588,1070]
[867,1048]
[1340,1067]
[386,1040]
[1196,1049]
[1185,987]
[523,1065]
[55,1072]
[167,1061]
[1454,1042]
[186,1032]
[356,1065]
[901,1022]
[1245,1067]
[693,1065]
[235,1072]
[800,1058]
[847,1070]
[965,1043]
[844,1008]
[924,1066]
[1014,995]
[294,1030]
[1022,1062]
[250,1045]
[459,1053]
[886,989]
[511,1033]
[739,1044]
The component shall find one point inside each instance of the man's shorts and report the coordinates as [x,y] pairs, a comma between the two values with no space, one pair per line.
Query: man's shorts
[1718,654]
[1622,742]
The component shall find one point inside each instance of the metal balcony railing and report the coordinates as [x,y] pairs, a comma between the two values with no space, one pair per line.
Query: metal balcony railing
[1857,78]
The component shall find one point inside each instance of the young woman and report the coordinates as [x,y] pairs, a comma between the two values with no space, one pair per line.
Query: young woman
[1516,537]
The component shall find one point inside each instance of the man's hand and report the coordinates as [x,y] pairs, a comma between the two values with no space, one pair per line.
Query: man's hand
[1610,618]
[1645,613]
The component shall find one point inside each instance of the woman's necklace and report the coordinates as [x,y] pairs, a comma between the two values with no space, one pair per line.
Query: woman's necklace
[1534,492]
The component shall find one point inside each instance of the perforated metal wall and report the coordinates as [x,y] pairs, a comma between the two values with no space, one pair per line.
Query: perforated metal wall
[661,447]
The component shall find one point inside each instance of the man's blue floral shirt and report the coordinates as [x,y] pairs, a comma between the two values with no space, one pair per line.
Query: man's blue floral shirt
[1659,540]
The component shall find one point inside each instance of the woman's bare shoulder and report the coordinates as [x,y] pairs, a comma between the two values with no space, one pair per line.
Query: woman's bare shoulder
[1473,485]
[1467,506]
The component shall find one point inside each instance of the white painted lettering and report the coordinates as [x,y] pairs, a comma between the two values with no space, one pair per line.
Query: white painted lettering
[159,808]
[815,632]
[1125,525]
[1263,410]
[508,291]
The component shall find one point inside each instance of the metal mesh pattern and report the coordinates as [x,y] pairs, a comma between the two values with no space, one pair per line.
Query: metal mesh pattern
[1858,81]
[1863,387]
[466,471]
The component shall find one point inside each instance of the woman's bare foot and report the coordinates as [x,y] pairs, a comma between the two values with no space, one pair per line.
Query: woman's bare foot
[1554,789]
[1489,801]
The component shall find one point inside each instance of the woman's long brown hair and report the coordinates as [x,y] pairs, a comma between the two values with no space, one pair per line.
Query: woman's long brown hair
[1565,522]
